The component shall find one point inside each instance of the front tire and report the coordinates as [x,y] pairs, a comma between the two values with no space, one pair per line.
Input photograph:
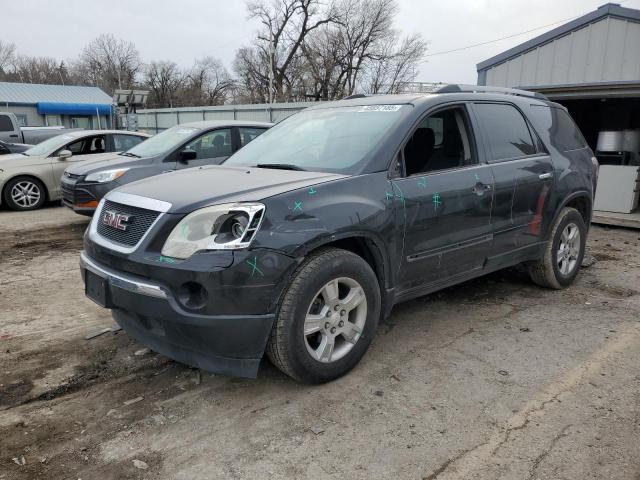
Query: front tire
[563,254]
[24,193]
[327,317]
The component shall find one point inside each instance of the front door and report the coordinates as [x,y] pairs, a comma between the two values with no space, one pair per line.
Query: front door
[523,174]
[444,201]
[80,151]
[212,148]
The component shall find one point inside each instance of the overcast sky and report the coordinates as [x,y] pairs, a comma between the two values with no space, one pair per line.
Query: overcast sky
[186,29]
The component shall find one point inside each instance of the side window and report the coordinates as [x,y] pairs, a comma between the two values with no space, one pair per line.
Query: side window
[563,132]
[76,147]
[247,134]
[87,146]
[122,143]
[441,141]
[5,124]
[505,131]
[212,144]
[96,145]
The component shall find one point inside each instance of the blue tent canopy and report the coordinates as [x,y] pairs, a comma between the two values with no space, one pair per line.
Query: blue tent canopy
[53,108]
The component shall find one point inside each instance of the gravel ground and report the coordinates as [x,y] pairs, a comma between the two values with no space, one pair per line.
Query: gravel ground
[495,378]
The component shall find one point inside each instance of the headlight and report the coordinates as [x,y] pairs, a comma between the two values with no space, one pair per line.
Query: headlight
[106,175]
[230,226]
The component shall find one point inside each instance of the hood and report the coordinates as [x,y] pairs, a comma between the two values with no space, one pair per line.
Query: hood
[101,161]
[194,188]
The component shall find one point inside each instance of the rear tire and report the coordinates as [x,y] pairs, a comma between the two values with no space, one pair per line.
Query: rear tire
[563,254]
[327,317]
[24,193]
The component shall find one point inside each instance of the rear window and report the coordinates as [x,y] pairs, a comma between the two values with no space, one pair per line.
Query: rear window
[562,130]
[5,124]
[505,131]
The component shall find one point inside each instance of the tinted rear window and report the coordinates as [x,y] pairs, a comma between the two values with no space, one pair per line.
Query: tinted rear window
[562,130]
[5,124]
[505,131]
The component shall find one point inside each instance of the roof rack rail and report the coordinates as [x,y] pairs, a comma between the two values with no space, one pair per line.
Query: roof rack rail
[454,88]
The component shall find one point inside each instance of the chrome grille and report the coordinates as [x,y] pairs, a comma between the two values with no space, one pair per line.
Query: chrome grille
[140,220]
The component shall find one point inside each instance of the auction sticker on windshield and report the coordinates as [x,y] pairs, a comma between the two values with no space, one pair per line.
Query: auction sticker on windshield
[380,108]
[185,131]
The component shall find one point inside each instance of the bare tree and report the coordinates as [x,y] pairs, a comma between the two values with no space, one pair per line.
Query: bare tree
[7,55]
[285,26]
[397,66]
[109,63]
[164,80]
[45,70]
[207,83]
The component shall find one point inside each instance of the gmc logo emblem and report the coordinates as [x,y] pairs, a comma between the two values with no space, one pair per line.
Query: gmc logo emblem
[116,220]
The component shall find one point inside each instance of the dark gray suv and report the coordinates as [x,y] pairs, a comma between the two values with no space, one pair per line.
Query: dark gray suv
[300,243]
[182,146]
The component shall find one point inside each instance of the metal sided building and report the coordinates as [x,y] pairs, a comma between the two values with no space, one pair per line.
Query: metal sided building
[56,105]
[591,65]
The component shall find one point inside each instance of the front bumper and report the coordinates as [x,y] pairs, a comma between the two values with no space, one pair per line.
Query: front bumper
[149,312]
[83,198]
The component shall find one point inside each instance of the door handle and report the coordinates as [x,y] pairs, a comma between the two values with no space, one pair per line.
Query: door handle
[14,135]
[545,176]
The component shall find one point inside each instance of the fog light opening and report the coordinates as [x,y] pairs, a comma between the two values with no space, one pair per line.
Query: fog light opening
[192,295]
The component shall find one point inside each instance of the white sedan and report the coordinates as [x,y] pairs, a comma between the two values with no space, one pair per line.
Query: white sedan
[30,178]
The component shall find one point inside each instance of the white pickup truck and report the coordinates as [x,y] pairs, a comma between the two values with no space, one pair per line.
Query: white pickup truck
[11,132]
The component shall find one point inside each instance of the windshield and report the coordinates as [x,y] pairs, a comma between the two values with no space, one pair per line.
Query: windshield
[50,145]
[335,139]
[163,142]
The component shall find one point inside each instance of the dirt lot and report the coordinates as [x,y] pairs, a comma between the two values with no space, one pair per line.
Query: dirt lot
[495,378]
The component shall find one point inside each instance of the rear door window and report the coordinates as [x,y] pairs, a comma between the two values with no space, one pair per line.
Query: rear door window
[505,131]
[563,132]
[5,124]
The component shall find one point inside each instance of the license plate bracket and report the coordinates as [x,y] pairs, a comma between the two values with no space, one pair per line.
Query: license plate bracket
[96,288]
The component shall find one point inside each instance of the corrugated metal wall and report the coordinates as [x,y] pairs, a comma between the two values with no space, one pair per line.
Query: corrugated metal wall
[604,51]
[156,120]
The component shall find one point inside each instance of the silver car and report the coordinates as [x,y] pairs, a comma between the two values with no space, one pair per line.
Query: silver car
[30,178]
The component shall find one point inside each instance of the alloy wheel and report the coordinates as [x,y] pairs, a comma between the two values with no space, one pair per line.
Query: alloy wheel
[569,249]
[335,319]
[25,194]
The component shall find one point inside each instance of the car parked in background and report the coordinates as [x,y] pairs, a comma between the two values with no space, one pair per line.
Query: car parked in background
[30,178]
[301,242]
[182,146]
[6,148]
[11,131]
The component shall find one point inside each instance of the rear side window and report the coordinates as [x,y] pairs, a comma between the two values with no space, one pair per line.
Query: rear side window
[563,132]
[505,131]
[5,124]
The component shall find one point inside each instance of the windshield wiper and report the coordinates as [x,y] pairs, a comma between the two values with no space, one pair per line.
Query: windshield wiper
[281,166]
[129,154]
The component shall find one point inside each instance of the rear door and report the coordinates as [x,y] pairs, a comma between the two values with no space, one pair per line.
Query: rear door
[444,199]
[212,148]
[523,174]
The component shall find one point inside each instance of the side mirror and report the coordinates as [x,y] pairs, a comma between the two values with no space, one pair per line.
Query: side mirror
[64,154]
[187,154]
